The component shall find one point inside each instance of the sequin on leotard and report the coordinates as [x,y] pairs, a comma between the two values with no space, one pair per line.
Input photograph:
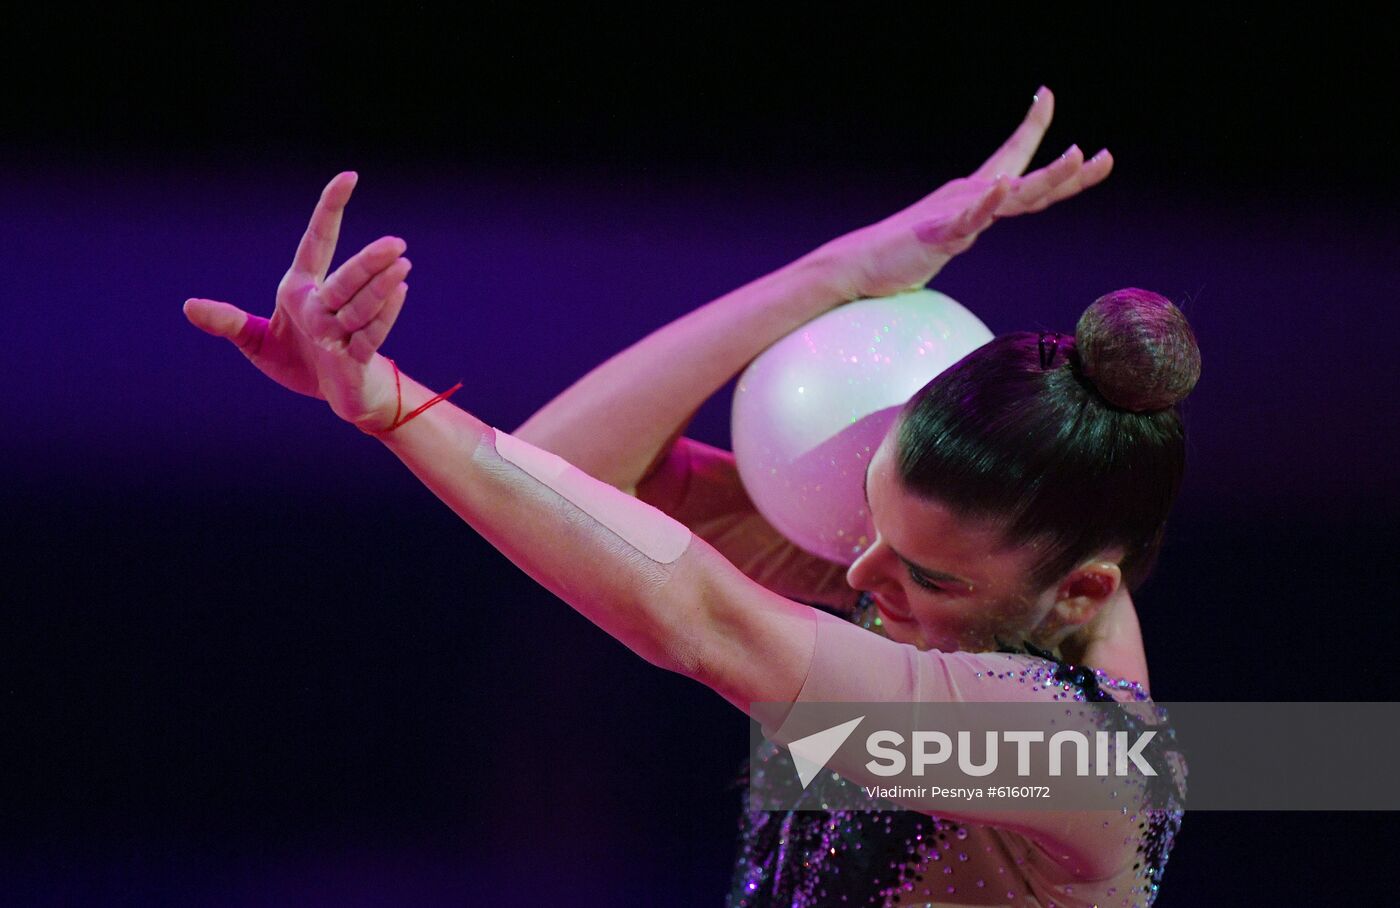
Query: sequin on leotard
[816,857]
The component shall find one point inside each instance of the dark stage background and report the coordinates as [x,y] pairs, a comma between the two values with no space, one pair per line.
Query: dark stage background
[248,660]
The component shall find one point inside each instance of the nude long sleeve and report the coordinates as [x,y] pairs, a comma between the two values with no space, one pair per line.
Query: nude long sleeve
[848,663]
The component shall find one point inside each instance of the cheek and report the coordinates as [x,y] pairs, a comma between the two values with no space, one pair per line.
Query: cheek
[977,622]
[1012,618]
[949,624]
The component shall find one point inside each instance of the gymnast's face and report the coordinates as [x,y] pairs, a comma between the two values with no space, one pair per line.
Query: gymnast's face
[940,581]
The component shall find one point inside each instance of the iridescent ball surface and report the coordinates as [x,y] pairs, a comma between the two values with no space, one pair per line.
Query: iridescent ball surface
[811,409]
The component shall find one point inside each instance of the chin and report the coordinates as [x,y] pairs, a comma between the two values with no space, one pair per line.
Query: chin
[943,645]
[895,633]
[900,632]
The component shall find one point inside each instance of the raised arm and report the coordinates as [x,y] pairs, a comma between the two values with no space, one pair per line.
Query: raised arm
[635,572]
[619,421]
[630,569]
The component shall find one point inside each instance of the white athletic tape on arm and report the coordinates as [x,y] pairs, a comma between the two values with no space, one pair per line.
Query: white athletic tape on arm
[645,528]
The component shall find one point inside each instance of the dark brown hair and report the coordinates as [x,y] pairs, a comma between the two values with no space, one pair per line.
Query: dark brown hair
[1079,455]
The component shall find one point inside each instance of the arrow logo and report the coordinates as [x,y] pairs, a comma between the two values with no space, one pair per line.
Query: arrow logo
[809,754]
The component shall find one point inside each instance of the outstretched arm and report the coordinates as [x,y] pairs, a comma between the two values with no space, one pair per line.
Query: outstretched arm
[619,421]
[635,572]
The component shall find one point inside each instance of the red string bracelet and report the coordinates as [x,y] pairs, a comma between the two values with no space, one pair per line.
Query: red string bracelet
[398,390]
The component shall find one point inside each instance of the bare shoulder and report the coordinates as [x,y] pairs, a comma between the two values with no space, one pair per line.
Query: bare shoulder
[698,485]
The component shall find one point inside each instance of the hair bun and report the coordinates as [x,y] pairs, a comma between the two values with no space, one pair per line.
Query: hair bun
[1138,350]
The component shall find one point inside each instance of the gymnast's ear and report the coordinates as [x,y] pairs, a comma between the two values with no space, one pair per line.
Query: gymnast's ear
[1083,593]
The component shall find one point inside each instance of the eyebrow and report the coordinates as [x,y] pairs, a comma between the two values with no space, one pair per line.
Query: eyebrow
[927,572]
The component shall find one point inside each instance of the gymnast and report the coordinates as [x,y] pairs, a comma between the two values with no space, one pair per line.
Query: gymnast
[1017,501]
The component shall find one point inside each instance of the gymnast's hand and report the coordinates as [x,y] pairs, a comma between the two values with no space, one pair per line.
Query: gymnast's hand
[324,331]
[905,250]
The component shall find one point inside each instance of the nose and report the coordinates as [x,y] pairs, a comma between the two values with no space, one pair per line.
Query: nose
[866,572]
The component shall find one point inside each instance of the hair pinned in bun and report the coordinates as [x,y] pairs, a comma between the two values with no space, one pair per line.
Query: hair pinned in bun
[1052,449]
[1138,350]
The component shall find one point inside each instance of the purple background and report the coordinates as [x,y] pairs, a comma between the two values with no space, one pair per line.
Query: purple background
[249,660]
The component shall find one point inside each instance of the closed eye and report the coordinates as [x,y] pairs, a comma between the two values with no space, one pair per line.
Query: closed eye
[924,582]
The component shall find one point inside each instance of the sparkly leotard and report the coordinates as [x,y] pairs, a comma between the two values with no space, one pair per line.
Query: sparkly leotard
[904,858]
